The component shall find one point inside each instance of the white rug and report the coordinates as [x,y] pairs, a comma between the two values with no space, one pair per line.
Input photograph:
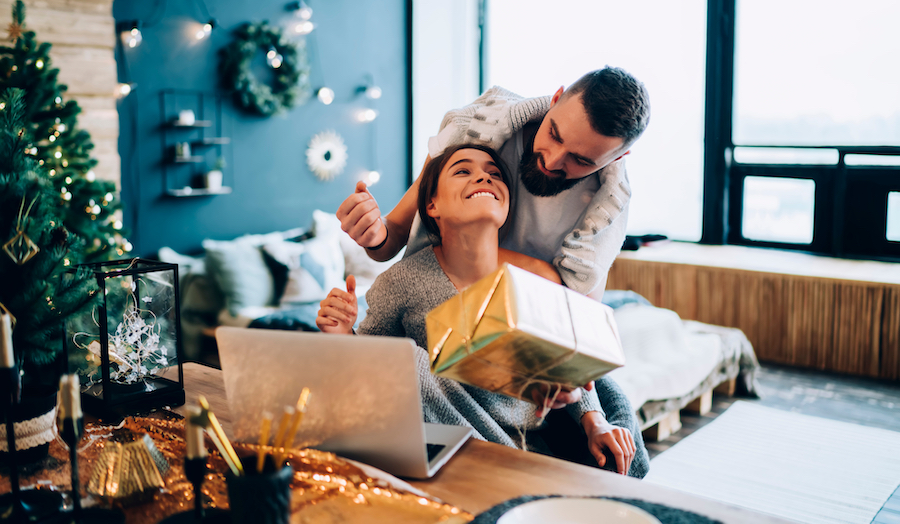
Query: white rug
[793,466]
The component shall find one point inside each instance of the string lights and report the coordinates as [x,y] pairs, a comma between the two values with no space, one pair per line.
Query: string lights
[131,33]
[301,24]
[206,29]
[325,95]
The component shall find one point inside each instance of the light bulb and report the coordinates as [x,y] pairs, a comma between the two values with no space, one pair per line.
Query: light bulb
[90,176]
[108,197]
[133,38]
[51,138]
[68,180]
[304,11]
[61,128]
[128,246]
[373,177]
[205,30]
[326,95]
[2,106]
[117,224]
[304,27]
[58,154]
[96,209]
[123,90]
[274,59]
[367,115]
[373,92]
[67,196]
[39,63]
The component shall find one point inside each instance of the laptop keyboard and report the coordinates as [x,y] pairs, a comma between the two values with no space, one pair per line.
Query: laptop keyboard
[432,450]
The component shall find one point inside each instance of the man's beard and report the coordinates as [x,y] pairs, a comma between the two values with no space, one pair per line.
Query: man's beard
[539,184]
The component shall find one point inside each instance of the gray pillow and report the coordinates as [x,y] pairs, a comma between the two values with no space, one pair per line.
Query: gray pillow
[239,269]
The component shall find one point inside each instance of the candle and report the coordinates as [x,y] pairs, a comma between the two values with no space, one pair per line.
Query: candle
[7,358]
[193,435]
[69,398]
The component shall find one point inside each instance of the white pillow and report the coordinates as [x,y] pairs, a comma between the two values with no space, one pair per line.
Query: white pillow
[314,267]
[356,260]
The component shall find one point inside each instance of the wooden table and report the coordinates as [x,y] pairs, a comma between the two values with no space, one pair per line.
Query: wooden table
[483,474]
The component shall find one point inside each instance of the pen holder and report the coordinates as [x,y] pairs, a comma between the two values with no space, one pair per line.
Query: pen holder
[262,498]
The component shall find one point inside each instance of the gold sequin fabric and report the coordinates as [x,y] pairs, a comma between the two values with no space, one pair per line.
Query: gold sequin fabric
[325,488]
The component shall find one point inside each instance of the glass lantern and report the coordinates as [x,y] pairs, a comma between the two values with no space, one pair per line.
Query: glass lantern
[127,349]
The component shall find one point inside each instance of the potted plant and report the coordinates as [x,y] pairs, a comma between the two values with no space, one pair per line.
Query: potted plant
[213,178]
[36,250]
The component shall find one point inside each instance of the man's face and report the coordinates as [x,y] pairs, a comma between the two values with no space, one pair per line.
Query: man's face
[566,149]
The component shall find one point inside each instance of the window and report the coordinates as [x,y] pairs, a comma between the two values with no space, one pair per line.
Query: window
[817,72]
[774,122]
[893,217]
[534,47]
[808,105]
[778,209]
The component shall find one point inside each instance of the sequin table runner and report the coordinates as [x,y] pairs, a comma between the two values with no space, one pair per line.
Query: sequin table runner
[325,488]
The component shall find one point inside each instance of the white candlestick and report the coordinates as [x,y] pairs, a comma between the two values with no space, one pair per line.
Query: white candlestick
[7,357]
[69,398]
[193,435]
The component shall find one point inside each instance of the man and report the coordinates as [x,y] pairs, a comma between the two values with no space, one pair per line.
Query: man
[564,153]
[570,194]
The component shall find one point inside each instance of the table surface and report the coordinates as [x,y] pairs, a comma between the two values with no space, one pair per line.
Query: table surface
[483,474]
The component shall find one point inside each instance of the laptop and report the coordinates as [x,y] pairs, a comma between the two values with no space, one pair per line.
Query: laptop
[364,403]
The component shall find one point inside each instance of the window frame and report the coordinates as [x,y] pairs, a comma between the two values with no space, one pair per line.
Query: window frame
[848,199]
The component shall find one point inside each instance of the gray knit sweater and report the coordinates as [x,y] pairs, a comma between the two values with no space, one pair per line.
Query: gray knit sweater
[398,302]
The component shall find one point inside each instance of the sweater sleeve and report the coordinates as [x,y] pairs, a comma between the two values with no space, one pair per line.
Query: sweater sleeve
[589,402]
[588,251]
[490,120]
[386,305]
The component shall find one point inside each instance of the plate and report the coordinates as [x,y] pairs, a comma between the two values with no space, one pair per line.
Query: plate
[576,511]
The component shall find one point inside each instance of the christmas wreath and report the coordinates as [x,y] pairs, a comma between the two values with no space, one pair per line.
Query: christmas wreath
[290,85]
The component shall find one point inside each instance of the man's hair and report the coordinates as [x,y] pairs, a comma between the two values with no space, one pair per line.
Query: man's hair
[428,183]
[617,104]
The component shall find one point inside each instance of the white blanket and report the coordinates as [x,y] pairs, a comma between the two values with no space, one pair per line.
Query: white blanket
[662,359]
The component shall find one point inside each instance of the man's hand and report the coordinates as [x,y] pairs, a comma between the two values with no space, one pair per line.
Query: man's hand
[602,436]
[542,394]
[361,218]
[337,313]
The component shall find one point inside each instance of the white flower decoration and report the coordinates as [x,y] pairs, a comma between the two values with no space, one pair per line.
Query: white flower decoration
[326,155]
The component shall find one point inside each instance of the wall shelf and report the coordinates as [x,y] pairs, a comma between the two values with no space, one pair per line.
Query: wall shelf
[207,137]
[213,141]
[195,125]
[196,192]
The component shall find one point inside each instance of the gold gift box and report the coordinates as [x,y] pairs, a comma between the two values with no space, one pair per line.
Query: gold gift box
[513,330]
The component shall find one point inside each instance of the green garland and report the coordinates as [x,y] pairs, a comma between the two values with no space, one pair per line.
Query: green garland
[291,84]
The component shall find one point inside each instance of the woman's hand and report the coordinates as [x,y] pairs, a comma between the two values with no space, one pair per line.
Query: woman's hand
[337,313]
[602,436]
[542,394]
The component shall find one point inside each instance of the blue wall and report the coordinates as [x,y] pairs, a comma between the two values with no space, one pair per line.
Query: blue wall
[273,189]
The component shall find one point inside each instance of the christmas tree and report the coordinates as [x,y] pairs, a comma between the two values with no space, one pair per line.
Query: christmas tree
[90,208]
[36,250]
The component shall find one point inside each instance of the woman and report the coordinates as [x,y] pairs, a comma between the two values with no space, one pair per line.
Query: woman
[464,200]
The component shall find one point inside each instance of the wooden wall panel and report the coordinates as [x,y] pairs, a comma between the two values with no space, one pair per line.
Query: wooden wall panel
[845,326]
[83,36]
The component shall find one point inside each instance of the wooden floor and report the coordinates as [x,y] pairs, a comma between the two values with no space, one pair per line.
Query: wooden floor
[859,401]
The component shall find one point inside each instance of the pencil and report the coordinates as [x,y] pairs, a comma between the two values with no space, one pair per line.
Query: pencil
[263,440]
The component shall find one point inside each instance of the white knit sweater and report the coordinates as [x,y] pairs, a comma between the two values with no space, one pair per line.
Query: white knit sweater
[587,251]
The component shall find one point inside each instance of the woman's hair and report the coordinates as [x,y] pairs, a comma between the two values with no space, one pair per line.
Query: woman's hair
[428,184]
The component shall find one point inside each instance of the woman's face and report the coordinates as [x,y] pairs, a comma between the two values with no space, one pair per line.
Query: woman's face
[470,189]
